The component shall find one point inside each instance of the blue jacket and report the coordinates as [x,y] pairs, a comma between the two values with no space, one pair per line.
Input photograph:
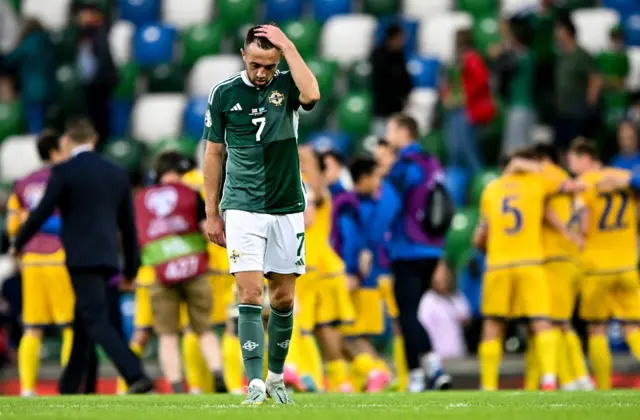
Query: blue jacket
[368,207]
[350,235]
[631,163]
[403,177]
[635,181]
[34,61]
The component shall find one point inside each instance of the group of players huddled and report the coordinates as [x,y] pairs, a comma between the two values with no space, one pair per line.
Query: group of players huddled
[549,239]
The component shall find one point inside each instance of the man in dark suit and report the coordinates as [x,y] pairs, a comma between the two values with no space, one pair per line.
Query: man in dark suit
[94,198]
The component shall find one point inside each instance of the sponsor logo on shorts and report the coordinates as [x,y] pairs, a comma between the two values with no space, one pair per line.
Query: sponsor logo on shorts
[234,256]
[284,344]
[300,262]
[250,345]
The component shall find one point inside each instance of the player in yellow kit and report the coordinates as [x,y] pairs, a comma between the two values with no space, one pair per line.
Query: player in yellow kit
[514,285]
[611,286]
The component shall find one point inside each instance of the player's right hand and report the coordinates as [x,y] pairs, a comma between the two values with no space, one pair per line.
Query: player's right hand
[214,228]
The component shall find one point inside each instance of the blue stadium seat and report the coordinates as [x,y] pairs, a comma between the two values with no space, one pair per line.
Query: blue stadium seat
[457,180]
[331,140]
[424,71]
[194,117]
[410,27]
[154,44]
[282,10]
[324,9]
[624,7]
[120,116]
[140,12]
[632,30]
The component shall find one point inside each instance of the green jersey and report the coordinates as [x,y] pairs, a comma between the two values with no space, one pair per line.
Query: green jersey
[259,125]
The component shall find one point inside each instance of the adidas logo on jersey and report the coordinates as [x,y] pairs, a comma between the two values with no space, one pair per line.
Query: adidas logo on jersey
[236,107]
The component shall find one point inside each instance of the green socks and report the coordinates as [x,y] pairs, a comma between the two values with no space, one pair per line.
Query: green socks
[279,328]
[251,334]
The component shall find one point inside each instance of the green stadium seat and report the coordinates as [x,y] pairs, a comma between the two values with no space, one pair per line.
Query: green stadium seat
[304,34]
[486,32]
[16,5]
[313,120]
[381,7]
[365,145]
[235,13]
[614,65]
[185,146]
[490,137]
[359,75]
[70,92]
[355,113]
[615,108]
[326,73]
[125,152]
[127,81]
[165,78]
[478,183]
[200,40]
[458,239]
[479,7]
[434,144]
[239,34]
[11,122]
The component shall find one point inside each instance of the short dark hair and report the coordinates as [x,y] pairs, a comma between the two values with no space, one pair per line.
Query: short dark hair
[547,150]
[523,153]
[361,166]
[329,154]
[80,130]
[393,30]
[566,23]
[172,161]
[584,147]
[408,123]
[48,141]
[262,42]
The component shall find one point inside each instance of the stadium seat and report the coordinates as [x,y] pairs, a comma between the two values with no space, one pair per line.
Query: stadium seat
[424,71]
[23,147]
[323,10]
[140,12]
[359,75]
[409,27]
[437,34]
[434,144]
[182,14]
[154,44]
[479,8]
[11,122]
[348,38]
[70,92]
[165,78]
[623,7]
[235,13]
[486,32]
[211,70]
[457,180]
[313,120]
[239,34]
[201,40]
[511,7]
[458,239]
[632,29]
[120,117]
[421,105]
[158,116]
[282,10]
[338,141]
[16,4]
[53,14]
[355,113]
[593,27]
[125,152]
[121,40]
[326,72]
[365,145]
[127,81]
[194,117]
[633,79]
[304,34]
[478,183]
[381,8]
[421,9]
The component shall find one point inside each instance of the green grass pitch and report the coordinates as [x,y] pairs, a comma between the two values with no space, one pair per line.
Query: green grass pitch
[619,405]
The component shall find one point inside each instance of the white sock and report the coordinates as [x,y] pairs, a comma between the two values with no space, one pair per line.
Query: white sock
[431,363]
[548,378]
[416,380]
[259,383]
[274,377]
[585,383]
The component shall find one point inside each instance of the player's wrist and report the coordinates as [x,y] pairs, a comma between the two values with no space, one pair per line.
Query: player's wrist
[288,48]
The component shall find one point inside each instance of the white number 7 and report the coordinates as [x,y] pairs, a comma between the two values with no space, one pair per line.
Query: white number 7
[262,121]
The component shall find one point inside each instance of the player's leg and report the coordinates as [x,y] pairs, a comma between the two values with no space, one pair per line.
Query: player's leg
[576,358]
[165,303]
[61,300]
[385,284]
[626,306]
[595,308]
[532,366]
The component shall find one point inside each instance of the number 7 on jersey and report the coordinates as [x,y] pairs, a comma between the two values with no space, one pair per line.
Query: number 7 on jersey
[262,121]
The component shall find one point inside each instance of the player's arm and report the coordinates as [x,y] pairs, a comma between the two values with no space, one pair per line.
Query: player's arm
[481,233]
[552,219]
[310,166]
[619,180]
[351,246]
[518,164]
[214,128]
[387,207]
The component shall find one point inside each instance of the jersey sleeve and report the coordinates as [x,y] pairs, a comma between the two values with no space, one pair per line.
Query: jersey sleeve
[553,181]
[294,94]
[214,125]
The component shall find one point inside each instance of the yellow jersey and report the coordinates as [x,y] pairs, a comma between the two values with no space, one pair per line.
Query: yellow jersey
[513,208]
[611,243]
[555,245]
[146,276]
[317,235]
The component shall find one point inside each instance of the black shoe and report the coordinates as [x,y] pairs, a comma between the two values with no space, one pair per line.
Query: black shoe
[143,385]
[218,379]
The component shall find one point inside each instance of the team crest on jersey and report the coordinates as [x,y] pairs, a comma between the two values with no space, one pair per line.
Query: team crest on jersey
[207,119]
[161,201]
[234,256]
[276,98]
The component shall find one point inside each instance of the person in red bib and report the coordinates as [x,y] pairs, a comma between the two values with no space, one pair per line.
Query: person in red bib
[169,216]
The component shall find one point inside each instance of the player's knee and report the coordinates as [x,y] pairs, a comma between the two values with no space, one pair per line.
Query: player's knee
[491,329]
[33,332]
[597,329]
[282,300]
[250,294]
[541,325]
[630,329]
[141,337]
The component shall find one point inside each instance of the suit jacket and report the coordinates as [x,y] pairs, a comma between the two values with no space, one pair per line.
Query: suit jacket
[94,198]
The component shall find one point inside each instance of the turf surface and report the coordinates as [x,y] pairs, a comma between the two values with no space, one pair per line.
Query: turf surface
[619,405]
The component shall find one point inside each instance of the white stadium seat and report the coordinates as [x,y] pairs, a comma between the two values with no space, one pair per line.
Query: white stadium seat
[183,13]
[211,70]
[633,79]
[593,27]
[53,14]
[18,157]
[510,7]
[348,38]
[437,34]
[120,39]
[421,9]
[421,105]
[158,116]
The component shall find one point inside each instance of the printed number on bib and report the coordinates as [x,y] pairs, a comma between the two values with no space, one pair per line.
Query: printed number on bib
[262,121]
[182,268]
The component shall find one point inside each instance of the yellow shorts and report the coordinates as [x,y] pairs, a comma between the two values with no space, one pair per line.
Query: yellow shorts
[516,292]
[222,292]
[563,278]
[47,295]
[369,309]
[616,295]
[385,286]
[143,316]
[333,302]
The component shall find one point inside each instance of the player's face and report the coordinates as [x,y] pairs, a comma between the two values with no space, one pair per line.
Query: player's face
[260,64]
[578,164]
[385,158]
[627,138]
[332,170]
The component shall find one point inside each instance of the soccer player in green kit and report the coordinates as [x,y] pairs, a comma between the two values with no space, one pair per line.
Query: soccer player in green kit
[259,218]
